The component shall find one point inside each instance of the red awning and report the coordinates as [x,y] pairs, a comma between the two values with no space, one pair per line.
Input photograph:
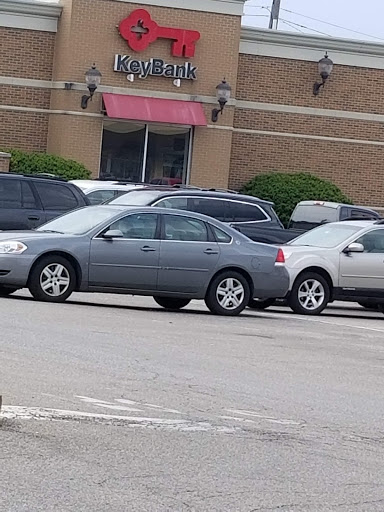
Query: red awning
[139,108]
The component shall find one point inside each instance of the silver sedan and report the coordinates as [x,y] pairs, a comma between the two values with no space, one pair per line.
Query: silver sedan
[174,256]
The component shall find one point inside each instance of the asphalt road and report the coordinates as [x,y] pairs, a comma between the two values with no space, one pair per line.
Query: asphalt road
[112,404]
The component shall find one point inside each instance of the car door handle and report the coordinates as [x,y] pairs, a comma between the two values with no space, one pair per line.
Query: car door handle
[146,248]
[211,251]
[33,218]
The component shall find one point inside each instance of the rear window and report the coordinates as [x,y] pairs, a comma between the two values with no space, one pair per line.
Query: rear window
[310,216]
[56,197]
[216,208]
[244,212]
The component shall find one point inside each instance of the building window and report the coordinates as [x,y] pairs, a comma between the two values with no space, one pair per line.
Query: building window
[156,154]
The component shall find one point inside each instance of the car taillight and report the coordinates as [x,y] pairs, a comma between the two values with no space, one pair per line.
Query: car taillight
[280,258]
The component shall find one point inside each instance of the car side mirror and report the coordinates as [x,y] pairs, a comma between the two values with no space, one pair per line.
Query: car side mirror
[355,247]
[113,233]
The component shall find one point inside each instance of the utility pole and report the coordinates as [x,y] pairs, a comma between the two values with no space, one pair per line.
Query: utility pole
[275,13]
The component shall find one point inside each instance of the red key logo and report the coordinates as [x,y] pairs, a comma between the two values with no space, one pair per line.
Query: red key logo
[139,30]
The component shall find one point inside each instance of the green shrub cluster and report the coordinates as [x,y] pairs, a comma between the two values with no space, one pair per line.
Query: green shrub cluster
[23,162]
[286,190]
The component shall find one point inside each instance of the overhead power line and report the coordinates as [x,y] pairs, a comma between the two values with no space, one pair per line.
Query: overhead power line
[332,24]
[304,26]
[313,19]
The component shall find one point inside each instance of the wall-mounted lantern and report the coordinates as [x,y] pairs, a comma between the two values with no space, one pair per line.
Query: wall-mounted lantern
[325,69]
[223,93]
[93,80]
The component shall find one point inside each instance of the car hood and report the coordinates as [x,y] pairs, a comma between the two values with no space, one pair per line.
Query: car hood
[23,236]
[304,249]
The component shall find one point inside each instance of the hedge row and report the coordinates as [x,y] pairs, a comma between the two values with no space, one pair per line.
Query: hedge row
[42,163]
[286,190]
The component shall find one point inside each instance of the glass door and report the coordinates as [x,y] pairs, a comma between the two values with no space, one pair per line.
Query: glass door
[167,155]
[122,153]
[156,154]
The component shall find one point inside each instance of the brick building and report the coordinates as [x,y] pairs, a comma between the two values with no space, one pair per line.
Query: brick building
[159,127]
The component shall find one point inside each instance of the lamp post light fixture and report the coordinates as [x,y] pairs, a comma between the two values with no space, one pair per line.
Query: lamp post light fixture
[325,69]
[223,93]
[93,80]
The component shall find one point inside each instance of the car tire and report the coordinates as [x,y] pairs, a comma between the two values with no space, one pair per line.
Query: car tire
[228,294]
[53,279]
[171,303]
[261,304]
[5,291]
[310,294]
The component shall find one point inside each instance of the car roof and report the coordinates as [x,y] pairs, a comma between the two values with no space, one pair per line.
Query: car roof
[93,188]
[330,204]
[356,223]
[38,177]
[175,191]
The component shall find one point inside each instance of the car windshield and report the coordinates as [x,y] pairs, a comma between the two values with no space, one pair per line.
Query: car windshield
[310,216]
[137,198]
[79,222]
[330,235]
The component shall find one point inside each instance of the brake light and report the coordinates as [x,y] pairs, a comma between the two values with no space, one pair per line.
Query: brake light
[280,258]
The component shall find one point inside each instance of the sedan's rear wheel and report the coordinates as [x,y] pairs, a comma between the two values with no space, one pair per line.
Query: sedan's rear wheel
[53,279]
[228,294]
[310,294]
[171,303]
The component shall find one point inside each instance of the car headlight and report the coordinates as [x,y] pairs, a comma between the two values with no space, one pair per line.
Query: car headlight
[12,247]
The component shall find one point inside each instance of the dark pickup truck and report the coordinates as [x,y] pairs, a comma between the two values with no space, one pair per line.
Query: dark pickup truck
[251,216]
[306,216]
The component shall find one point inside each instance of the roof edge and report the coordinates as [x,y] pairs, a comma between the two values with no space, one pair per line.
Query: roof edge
[42,9]
[282,38]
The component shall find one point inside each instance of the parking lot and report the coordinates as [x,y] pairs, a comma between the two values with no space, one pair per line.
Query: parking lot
[112,400]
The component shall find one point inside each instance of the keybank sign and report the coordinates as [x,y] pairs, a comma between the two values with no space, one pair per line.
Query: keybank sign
[154,67]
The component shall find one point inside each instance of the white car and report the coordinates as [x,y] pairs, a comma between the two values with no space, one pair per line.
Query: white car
[341,261]
[100,191]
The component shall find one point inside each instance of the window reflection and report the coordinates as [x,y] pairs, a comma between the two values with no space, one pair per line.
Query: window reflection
[156,154]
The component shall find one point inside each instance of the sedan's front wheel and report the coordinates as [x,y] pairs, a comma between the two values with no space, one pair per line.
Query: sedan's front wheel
[228,294]
[310,294]
[53,279]
[171,303]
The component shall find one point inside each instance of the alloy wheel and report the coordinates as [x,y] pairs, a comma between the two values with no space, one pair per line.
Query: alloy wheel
[55,279]
[311,294]
[230,294]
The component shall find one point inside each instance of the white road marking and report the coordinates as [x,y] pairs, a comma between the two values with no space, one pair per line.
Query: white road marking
[111,405]
[314,320]
[262,417]
[107,405]
[125,401]
[242,420]
[151,406]
[41,414]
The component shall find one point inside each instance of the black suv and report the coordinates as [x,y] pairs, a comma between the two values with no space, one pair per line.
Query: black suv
[249,215]
[27,201]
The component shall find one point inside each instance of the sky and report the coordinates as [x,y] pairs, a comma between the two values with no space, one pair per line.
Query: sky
[365,16]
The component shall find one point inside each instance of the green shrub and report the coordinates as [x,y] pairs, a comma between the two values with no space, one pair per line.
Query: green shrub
[286,190]
[38,163]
